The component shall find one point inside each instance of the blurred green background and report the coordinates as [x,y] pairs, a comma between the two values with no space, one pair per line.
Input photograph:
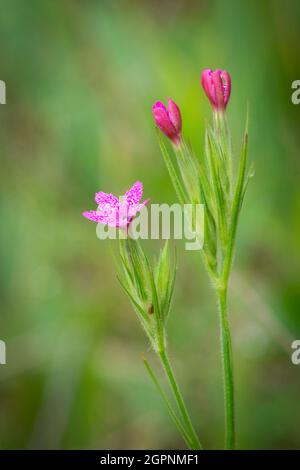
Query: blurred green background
[81,78]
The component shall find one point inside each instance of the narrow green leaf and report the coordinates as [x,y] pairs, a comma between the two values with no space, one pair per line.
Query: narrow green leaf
[180,193]
[168,404]
[126,271]
[248,177]
[137,264]
[135,303]
[169,297]
[188,169]
[236,206]
[207,192]
[218,192]
[162,274]
[156,307]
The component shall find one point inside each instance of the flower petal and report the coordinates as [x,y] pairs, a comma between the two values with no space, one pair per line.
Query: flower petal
[226,80]
[102,198]
[218,84]
[134,194]
[175,115]
[106,219]
[207,84]
[133,210]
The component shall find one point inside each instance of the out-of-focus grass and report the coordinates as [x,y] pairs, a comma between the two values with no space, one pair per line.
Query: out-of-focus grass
[81,78]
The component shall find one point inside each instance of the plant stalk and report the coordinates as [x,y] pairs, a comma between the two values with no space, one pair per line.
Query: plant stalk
[227,365]
[196,445]
[169,406]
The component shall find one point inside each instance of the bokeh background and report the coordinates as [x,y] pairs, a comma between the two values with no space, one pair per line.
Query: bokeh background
[81,78]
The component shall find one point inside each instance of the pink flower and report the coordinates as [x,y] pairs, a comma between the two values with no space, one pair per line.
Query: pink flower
[114,212]
[168,120]
[217,87]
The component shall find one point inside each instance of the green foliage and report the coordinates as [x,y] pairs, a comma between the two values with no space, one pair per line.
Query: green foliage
[150,289]
[213,179]
[210,181]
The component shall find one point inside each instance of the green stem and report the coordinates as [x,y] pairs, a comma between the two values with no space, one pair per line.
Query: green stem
[227,365]
[169,406]
[179,400]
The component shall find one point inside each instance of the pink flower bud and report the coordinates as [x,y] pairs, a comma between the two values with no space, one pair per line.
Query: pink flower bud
[168,120]
[217,87]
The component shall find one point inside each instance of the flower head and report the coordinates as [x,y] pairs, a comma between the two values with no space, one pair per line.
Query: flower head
[168,120]
[217,87]
[114,212]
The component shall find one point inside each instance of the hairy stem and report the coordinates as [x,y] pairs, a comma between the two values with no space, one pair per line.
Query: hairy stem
[227,365]
[169,406]
[179,400]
